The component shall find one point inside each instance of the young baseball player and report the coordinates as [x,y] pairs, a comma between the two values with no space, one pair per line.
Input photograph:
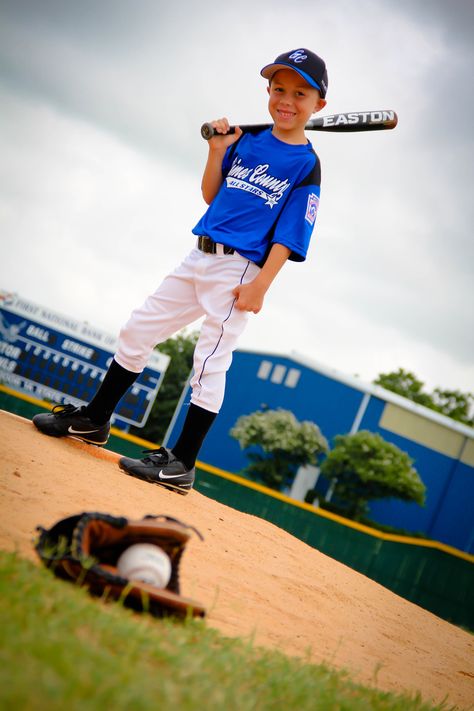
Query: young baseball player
[263,193]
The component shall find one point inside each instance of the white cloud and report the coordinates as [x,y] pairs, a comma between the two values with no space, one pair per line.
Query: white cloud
[91,224]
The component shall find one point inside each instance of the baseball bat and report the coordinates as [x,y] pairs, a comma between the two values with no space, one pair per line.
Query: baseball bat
[380,120]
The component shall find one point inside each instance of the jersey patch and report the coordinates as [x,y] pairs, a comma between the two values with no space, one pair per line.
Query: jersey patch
[311,208]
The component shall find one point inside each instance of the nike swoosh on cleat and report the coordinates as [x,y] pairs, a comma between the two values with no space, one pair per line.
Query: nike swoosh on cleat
[71,430]
[169,476]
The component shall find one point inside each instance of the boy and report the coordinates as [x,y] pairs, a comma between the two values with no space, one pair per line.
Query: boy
[263,192]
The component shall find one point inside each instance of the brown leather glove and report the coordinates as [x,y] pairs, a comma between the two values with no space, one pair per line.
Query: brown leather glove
[85,549]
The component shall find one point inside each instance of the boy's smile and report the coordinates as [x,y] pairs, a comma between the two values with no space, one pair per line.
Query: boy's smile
[292,102]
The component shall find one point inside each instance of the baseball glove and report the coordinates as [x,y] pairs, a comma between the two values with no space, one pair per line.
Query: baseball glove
[85,549]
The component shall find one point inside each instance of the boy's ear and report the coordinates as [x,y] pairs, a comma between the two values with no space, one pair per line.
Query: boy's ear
[320,104]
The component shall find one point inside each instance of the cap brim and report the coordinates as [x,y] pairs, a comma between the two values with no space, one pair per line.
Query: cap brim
[270,69]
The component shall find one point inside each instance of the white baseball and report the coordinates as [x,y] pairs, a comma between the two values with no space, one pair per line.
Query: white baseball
[147,563]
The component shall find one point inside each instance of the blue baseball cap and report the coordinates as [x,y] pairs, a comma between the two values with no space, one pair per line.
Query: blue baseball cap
[308,65]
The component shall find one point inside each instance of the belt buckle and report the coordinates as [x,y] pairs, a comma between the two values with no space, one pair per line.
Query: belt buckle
[207,245]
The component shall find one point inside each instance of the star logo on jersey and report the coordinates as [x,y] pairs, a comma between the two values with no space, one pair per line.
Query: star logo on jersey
[272,200]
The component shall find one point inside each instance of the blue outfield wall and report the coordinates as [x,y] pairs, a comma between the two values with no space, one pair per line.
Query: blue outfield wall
[442,450]
[459,488]
[434,468]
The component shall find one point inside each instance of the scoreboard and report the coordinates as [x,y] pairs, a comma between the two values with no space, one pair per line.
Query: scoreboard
[53,357]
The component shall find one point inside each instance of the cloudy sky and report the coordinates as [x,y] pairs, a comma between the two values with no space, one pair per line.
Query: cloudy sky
[101,161]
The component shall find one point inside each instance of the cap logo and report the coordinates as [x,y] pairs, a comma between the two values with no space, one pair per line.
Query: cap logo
[298,56]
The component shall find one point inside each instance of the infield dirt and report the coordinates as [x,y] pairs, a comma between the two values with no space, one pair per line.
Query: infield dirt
[256,580]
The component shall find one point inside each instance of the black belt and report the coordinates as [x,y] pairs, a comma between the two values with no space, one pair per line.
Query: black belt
[206,244]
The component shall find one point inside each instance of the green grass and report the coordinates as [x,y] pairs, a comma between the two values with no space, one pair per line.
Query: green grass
[62,649]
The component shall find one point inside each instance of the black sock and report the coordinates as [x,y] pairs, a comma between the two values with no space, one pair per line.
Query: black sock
[113,387]
[196,426]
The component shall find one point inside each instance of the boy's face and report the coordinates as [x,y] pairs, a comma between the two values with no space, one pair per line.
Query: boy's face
[292,102]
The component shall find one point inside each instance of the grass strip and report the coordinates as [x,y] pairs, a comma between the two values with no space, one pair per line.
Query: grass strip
[62,649]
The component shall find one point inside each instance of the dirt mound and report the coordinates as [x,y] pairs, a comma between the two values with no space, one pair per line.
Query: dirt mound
[256,580]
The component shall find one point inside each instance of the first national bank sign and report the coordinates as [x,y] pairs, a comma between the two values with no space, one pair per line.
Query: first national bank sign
[50,356]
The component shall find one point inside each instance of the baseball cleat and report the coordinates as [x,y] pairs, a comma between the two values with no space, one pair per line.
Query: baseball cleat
[160,466]
[70,421]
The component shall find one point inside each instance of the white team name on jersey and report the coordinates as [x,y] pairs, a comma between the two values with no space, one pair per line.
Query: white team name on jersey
[269,188]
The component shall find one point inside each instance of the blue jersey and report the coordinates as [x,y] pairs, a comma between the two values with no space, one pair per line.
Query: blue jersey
[270,194]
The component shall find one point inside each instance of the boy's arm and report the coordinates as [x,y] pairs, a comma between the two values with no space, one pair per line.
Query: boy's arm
[250,296]
[212,177]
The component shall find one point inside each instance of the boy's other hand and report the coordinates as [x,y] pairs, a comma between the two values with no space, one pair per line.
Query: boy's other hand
[224,140]
[249,297]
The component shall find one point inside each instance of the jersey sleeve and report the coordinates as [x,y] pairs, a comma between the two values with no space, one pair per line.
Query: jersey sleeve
[296,222]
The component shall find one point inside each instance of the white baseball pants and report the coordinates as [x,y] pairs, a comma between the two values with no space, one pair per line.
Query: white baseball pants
[201,286]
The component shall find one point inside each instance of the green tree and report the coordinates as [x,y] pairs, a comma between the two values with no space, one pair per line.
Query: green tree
[405,384]
[363,467]
[180,348]
[278,445]
[452,403]
[455,404]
